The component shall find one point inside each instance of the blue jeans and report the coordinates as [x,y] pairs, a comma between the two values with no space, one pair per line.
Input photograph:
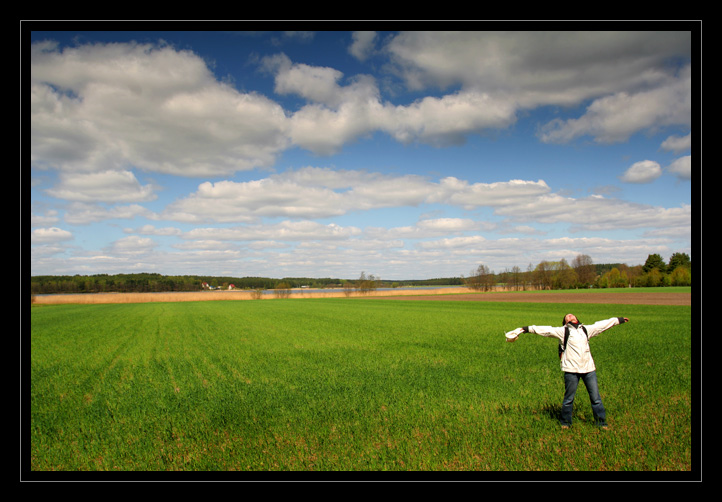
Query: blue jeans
[571,381]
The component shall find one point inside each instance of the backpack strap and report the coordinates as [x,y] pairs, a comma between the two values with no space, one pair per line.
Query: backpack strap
[563,347]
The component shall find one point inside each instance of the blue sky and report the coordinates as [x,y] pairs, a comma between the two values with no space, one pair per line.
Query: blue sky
[406,155]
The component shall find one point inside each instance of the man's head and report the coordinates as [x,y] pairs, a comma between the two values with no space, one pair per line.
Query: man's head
[570,318]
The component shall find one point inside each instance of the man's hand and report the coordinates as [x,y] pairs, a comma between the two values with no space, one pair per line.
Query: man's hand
[512,335]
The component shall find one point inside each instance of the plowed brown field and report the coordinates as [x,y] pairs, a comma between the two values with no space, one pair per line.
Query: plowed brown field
[564,297]
[638,297]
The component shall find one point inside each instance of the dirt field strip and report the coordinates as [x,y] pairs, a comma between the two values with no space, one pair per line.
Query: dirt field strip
[450,294]
[198,296]
[563,297]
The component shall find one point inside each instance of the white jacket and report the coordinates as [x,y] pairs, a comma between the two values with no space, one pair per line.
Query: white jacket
[577,358]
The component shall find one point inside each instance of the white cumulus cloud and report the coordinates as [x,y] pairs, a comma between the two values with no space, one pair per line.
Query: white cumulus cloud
[108,106]
[644,171]
[682,167]
[50,235]
[105,186]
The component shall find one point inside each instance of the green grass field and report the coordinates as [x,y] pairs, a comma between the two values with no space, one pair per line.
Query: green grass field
[350,385]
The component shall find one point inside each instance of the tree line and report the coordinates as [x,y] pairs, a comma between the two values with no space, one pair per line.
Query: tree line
[583,273]
[157,283]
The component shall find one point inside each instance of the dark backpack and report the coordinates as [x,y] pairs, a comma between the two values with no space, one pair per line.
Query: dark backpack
[563,347]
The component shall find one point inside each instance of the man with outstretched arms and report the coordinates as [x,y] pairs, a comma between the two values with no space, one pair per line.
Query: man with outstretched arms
[575,359]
